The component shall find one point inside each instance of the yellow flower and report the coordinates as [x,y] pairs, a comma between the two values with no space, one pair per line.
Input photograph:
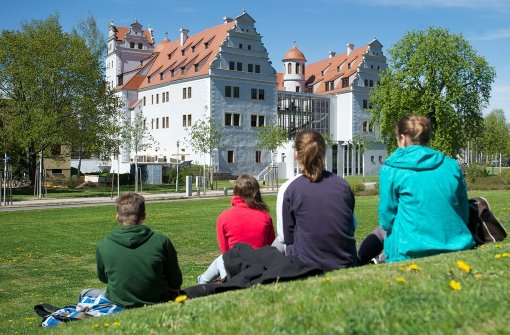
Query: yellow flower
[400,280]
[463,266]
[505,254]
[106,325]
[116,324]
[95,325]
[497,256]
[181,298]
[478,276]
[455,285]
[498,246]
[413,267]
[327,280]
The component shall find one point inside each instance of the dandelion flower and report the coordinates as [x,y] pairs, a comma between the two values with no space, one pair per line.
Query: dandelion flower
[455,285]
[497,256]
[181,298]
[505,254]
[116,324]
[400,280]
[478,276]
[413,267]
[106,325]
[463,266]
[95,325]
[327,280]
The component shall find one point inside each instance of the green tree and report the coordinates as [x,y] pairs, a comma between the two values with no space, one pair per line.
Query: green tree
[496,136]
[271,137]
[204,136]
[54,82]
[438,75]
[136,137]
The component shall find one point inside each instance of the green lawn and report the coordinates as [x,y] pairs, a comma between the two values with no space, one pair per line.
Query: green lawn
[48,256]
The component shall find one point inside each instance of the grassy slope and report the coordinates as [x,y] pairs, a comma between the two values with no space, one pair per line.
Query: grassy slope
[48,256]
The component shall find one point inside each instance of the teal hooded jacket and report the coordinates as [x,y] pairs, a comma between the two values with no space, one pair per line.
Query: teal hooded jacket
[423,204]
[139,265]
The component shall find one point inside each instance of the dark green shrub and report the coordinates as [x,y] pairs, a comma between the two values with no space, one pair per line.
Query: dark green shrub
[475,171]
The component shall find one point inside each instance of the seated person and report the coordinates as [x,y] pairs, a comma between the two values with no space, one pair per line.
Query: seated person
[248,221]
[423,205]
[139,265]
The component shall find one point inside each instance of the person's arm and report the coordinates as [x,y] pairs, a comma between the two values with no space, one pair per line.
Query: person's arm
[101,273]
[173,271]
[388,200]
[270,231]
[463,197]
[220,234]
[284,220]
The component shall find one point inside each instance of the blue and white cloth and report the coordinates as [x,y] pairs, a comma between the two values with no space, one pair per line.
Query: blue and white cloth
[86,308]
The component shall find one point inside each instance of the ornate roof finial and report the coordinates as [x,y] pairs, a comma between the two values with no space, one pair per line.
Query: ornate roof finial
[244,9]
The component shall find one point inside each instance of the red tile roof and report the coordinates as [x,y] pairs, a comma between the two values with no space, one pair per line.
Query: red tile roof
[121,32]
[200,56]
[295,54]
[330,69]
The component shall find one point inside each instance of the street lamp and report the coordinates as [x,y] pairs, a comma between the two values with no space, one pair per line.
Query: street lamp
[177,178]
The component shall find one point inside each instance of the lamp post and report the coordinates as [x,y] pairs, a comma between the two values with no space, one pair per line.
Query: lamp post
[177,178]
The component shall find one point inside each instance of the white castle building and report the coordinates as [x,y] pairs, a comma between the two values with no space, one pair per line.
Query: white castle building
[224,72]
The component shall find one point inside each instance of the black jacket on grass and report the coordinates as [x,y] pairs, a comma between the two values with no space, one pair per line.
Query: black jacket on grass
[139,265]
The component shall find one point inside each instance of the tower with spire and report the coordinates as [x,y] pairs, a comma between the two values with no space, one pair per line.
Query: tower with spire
[294,70]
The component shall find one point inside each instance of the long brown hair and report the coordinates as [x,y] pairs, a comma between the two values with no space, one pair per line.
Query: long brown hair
[310,153]
[247,187]
[418,128]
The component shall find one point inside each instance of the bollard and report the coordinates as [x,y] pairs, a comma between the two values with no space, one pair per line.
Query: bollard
[225,191]
[189,186]
[198,191]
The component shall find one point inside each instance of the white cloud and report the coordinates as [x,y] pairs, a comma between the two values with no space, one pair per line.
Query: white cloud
[492,35]
[487,4]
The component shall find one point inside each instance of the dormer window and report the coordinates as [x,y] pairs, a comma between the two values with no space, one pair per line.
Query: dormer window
[193,49]
[161,76]
[169,56]
[182,70]
[349,66]
[183,51]
[196,67]
[206,45]
[132,45]
[140,45]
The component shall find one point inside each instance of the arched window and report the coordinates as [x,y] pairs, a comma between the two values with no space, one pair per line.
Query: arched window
[297,68]
[289,68]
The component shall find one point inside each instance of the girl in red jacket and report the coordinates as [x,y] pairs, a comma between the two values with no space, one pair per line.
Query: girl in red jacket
[248,221]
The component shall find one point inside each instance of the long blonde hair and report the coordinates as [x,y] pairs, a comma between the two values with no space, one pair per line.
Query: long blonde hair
[310,153]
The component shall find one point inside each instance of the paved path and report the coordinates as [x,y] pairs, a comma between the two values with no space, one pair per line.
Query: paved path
[100,201]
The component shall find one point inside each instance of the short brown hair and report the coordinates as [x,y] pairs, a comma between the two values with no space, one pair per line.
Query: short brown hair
[130,208]
[418,128]
[311,152]
[247,187]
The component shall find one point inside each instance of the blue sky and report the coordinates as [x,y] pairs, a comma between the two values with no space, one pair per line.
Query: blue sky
[317,26]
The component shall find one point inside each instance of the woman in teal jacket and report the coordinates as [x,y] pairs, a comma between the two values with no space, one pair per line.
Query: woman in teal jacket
[423,206]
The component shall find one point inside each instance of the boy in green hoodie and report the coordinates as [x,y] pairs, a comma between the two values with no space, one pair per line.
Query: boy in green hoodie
[139,265]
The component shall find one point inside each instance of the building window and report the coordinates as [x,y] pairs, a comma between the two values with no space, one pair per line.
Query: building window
[145,123]
[189,120]
[157,123]
[250,67]
[345,82]
[371,83]
[349,66]
[206,45]
[298,88]
[183,52]
[249,46]
[193,49]
[230,156]
[182,70]
[232,119]
[372,159]
[149,79]
[257,93]
[228,91]
[289,68]
[258,156]
[297,68]
[239,66]
[257,68]
[329,85]
[365,103]
[380,159]
[140,46]
[167,96]
[257,120]
[184,92]
[240,45]
[236,92]
[184,120]
[189,92]
[196,67]
[231,66]
[161,76]
[152,99]
[132,45]
[172,73]
[144,101]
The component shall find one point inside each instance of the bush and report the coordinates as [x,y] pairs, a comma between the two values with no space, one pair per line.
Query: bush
[192,170]
[357,187]
[475,171]
[74,181]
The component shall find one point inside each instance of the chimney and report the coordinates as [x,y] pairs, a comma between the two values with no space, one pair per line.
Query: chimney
[350,47]
[331,54]
[227,19]
[184,35]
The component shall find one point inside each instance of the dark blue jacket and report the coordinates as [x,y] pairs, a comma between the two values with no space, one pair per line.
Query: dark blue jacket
[315,221]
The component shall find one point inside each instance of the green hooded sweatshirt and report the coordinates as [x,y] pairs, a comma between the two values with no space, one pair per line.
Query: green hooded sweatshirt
[423,204]
[139,265]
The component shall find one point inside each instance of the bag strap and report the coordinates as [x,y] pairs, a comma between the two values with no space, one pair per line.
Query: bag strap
[45,309]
